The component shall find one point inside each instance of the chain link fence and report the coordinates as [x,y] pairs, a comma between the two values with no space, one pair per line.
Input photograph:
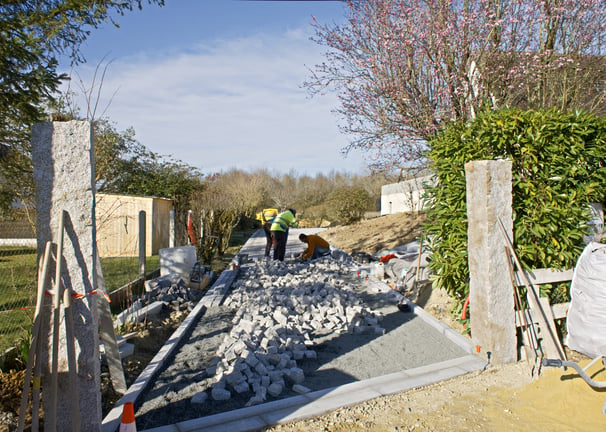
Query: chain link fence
[19,280]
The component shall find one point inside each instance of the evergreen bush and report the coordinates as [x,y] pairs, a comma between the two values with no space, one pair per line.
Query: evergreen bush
[348,204]
[559,167]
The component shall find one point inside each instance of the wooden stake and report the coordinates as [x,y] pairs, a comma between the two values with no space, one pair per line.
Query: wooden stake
[416,280]
[107,333]
[36,386]
[531,342]
[553,347]
[70,340]
[52,412]
[43,283]
[34,349]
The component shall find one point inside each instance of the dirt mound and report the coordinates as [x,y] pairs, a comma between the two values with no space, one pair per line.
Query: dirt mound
[374,235]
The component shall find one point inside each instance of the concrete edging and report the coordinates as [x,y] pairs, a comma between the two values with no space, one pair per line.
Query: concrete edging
[214,296]
[302,406]
[19,242]
[322,401]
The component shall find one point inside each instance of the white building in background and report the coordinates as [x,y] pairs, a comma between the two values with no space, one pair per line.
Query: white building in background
[404,196]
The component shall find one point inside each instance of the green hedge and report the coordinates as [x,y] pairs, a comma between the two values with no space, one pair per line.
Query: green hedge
[559,167]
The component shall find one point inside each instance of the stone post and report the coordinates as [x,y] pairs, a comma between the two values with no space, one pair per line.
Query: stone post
[491,298]
[63,160]
[171,230]
[142,243]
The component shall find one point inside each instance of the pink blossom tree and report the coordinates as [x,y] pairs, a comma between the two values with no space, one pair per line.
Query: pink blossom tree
[403,68]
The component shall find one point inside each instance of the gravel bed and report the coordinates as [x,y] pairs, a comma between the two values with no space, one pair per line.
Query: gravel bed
[285,329]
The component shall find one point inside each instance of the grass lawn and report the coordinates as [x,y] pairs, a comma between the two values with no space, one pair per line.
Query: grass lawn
[18,281]
[118,271]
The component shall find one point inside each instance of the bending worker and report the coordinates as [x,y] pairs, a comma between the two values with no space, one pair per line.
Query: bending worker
[279,231]
[266,217]
[316,246]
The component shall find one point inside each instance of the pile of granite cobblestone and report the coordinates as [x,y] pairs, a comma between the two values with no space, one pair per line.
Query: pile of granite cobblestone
[165,292]
[282,311]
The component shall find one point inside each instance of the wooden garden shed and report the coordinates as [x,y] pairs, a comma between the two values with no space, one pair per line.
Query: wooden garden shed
[118,224]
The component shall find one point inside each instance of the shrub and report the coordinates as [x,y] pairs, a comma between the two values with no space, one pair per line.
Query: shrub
[559,167]
[348,203]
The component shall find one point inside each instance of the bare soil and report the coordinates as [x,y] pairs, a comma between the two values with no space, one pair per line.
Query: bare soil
[374,235]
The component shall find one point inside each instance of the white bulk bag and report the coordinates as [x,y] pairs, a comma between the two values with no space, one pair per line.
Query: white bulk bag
[586,322]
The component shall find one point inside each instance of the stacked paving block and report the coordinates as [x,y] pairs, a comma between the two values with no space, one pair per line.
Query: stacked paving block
[282,310]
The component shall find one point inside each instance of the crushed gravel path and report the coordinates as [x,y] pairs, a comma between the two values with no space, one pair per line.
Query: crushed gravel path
[385,340]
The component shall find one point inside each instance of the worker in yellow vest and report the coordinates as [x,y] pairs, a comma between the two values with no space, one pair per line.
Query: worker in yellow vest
[279,231]
[266,217]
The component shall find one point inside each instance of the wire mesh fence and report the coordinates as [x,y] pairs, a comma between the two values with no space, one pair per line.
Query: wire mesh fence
[127,228]
[19,280]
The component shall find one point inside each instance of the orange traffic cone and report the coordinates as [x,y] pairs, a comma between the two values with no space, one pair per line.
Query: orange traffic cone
[127,424]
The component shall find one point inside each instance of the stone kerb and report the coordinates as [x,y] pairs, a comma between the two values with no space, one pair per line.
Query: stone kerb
[19,242]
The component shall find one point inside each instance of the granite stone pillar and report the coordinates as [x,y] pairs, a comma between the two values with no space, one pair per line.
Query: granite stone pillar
[63,159]
[491,298]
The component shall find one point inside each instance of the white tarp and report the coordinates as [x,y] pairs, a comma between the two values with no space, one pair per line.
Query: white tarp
[586,322]
[179,260]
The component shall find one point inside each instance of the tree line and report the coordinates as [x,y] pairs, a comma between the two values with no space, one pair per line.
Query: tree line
[228,199]
[404,70]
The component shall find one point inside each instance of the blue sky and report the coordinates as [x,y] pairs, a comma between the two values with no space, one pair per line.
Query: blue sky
[217,84]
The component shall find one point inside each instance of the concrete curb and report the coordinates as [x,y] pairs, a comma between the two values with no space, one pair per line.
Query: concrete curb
[323,401]
[19,242]
[213,297]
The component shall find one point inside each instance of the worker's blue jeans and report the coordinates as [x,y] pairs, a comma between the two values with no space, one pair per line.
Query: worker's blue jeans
[268,238]
[320,251]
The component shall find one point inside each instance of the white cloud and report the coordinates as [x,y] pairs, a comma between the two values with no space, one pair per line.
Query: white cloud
[233,103]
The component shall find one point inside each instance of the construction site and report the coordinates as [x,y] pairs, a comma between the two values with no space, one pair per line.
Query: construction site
[297,338]
[272,343]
